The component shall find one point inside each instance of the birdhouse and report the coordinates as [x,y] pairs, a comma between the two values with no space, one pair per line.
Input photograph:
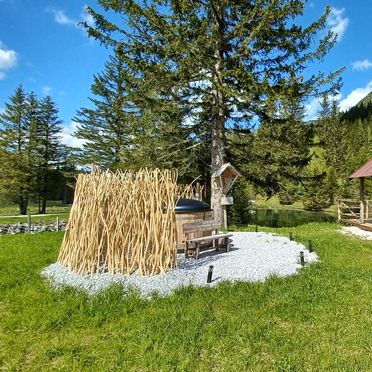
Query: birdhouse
[225,178]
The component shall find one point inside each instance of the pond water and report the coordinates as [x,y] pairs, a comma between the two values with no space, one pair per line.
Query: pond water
[287,217]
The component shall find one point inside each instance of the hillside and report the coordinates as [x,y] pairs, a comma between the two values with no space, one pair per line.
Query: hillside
[362,110]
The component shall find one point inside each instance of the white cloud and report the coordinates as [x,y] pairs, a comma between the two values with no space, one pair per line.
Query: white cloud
[67,137]
[8,60]
[361,65]
[46,90]
[86,17]
[337,22]
[61,18]
[312,109]
[355,96]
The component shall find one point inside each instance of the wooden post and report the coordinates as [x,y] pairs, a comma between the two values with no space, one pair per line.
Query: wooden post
[362,199]
[367,209]
[339,212]
[57,224]
[361,212]
[225,216]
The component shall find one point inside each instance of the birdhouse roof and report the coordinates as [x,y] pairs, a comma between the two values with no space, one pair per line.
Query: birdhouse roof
[227,168]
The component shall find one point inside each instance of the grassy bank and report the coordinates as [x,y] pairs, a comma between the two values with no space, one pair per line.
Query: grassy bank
[275,204]
[34,218]
[53,207]
[318,320]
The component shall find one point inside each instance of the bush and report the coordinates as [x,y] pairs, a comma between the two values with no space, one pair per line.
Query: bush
[288,194]
[316,193]
[238,213]
[316,203]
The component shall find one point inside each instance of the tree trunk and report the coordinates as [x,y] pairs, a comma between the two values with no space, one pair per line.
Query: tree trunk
[218,120]
[218,159]
[43,206]
[44,193]
[23,204]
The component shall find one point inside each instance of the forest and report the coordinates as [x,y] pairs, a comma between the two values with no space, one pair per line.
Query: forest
[166,102]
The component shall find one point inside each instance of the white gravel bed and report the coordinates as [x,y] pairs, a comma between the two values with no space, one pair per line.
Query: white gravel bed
[356,231]
[253,257]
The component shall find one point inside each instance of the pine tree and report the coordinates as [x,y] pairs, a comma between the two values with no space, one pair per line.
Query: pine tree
[32,120]
[273,156]
[333,138]
[29,146]
[49,146]
[15,137]
[222,58]
[107,126]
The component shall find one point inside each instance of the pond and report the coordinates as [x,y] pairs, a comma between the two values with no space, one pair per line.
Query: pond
[287,217]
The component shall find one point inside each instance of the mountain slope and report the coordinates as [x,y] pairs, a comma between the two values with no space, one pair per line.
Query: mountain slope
[362,110]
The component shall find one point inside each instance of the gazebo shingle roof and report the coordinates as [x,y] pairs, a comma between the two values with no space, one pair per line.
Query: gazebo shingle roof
[364,171]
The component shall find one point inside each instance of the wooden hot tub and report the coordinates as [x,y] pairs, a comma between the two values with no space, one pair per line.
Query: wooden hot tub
[190,211]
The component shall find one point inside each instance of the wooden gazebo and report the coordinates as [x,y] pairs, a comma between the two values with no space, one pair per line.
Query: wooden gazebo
[356,212]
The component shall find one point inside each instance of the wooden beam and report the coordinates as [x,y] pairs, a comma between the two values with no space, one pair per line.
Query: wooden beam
[362,188]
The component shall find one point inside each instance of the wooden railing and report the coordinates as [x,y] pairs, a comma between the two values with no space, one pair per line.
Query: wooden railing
[349,209]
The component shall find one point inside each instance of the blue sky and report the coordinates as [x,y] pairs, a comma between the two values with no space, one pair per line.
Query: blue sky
[43,48]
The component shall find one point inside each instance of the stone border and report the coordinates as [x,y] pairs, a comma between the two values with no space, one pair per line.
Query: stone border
[36,227]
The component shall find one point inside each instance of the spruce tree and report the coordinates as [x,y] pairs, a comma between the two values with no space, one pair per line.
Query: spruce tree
[49,146]
[333,138]
[32,120]
[29,147]
[106,126]
[222,57]
[15,137]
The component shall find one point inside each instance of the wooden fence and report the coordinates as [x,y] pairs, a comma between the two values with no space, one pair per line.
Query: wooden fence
[354,210]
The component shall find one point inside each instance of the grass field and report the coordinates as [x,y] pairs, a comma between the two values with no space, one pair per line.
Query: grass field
[53,207]
[319,320]
[274,203]
[23,219]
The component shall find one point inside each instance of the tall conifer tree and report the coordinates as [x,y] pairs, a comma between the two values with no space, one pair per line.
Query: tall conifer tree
[49,146]
[219,57]
[29,148]
[16,140]
[106,126]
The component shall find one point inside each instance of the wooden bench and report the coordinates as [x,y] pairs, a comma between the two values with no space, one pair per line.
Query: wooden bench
[193,245]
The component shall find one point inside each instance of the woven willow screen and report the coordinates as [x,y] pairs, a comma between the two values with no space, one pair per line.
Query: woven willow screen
[122,223]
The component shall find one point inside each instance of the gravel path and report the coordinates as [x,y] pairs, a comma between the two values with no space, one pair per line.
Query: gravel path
[356,231]
[253,257]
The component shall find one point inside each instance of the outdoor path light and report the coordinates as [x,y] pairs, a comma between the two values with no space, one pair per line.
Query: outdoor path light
[302,258]
[210,272]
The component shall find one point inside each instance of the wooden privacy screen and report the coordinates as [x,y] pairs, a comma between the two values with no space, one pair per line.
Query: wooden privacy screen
[122,223]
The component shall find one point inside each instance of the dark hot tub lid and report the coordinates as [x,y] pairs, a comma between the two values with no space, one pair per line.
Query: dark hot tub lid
[190,205]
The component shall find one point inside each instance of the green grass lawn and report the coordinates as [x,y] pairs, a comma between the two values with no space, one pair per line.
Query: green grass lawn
[319,320]
[53,207]
[274,203]
[34,218]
